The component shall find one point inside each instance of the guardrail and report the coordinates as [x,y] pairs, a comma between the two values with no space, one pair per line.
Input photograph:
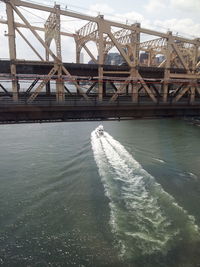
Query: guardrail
[93,101]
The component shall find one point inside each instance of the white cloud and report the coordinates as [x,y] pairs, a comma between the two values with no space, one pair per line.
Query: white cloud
[130,17]
[98,9]
[155,5]
[183,27]
[4,53]
[186,5]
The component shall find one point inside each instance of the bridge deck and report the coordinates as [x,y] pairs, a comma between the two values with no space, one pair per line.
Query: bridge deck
[79,109]
[46,108]
[89,70]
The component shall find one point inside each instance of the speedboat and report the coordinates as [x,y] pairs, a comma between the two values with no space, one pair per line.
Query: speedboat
[99,131]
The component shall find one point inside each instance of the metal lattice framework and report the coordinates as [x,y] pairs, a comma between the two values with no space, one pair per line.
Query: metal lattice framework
[159,46]
[89,32]
[52,31]
[178,53]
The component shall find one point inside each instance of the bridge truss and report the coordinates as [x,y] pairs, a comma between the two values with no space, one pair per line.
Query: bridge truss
[180,63]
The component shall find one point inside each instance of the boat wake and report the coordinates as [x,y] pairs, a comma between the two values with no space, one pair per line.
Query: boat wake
[143,217]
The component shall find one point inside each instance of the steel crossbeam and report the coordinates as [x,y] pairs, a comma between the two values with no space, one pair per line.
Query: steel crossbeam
[178,53]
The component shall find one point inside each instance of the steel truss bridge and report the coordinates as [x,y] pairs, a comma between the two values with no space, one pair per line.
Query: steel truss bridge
[50,89]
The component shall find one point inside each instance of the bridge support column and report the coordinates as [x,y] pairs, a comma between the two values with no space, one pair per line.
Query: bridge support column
[135,54]
[78,51]
[12,50]
[135,96]
[134,86]
[167,66]
[165,89]
[192,94]
[60,91]
[101,57]
[48,89]
[100,87]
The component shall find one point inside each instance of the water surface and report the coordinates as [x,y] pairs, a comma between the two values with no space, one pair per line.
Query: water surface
[68,198]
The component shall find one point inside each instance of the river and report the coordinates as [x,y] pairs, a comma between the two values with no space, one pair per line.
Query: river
[129,198]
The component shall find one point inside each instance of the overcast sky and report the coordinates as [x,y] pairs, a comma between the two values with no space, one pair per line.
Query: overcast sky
[179,16]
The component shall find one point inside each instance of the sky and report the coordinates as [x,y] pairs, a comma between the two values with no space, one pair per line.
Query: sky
[179,16]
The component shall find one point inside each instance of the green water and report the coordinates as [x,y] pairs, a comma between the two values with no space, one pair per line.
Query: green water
[130,199]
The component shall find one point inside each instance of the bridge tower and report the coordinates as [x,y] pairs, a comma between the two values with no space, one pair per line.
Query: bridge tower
[52,32]
[12,49]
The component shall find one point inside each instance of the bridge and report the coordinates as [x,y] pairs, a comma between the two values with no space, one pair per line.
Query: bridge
[160,74]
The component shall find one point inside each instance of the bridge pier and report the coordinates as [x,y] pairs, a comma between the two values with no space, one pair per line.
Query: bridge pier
[12,49]
[60,90]
[192,94]
[134,92]
[100,84]
[48,88]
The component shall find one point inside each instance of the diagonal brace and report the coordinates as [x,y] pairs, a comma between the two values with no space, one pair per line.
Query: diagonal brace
[90,54]
[42,84]
[75,83]
[29,44]
[174,45]
[91,87]
[121,89]
[34,32]
[147,89]
[4,89]
[182,92]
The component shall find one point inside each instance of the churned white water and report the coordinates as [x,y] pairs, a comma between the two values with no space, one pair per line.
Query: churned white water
[143,217]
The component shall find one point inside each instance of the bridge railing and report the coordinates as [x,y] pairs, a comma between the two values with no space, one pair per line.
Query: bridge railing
[7,101]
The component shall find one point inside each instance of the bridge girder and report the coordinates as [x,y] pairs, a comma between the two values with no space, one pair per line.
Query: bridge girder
[159,46]
[178,52]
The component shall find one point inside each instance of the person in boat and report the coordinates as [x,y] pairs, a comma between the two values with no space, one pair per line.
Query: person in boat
[100,130]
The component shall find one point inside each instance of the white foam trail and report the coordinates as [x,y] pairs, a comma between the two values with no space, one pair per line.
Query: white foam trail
[193,175]
[160,160]
[144,218]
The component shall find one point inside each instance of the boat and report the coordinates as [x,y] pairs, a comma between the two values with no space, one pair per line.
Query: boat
[99,131]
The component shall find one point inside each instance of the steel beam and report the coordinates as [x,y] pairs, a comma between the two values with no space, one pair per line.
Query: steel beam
[34,32]
[134,92]
[167,67]
[5,90]
[12,49]
[147,89]
[90,88]
[90,54]
[101,31]
[181,93]
[94,19]
[42,84]
[67,90]
[75,83]
[36,28]
[178,51]
[121,89]
[31,86]
[173,44]
[29,44]
[192,94]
